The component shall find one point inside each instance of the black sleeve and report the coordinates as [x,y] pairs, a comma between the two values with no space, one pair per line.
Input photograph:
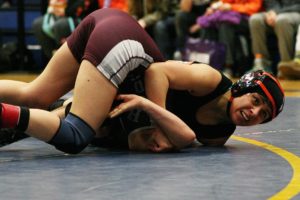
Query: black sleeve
[214,132]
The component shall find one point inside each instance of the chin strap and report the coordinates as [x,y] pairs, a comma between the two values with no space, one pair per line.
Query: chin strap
[228,106]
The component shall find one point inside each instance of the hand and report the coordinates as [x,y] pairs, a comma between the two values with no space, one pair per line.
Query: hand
[194,28]
[209,11]
[142,23]
[225,7]
[271,18]
[130,102]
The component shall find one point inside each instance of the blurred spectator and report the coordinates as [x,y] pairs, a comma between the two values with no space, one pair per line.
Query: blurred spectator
[164,29]
[157,18]
[224,21]
[291,69]
[60,20]
[118,4]
[146,12]
[6,4]
[281,17]
[186,17]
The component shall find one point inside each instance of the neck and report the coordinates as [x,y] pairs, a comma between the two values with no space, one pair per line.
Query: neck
[215,112]
[224,105]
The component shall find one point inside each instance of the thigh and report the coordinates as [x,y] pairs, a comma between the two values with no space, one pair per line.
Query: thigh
[257,20]
[57,79]
[93,95]
[291,19]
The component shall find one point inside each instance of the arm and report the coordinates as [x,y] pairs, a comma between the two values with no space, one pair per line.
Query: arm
[199,79]
[178,133]
[186,5]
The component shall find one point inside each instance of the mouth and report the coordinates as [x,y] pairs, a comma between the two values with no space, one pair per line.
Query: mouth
[245,116]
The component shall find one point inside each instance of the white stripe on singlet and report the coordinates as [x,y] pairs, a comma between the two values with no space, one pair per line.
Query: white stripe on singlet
[124,57]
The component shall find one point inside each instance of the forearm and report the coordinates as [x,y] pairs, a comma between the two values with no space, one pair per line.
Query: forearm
[12,92]
[179,134]
[186,5]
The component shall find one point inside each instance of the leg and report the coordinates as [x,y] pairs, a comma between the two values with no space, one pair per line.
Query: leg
[286,28]
[57,79]
[92,104]
[183,21]
[258,31]
[227,36]
[93,97]
[164,36]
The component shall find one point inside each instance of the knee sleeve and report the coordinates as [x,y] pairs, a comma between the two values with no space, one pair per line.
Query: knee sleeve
[73,135]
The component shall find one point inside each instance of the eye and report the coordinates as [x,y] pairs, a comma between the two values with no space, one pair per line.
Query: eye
[256,100]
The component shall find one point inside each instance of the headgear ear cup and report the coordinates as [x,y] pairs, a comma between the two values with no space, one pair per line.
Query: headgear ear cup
[264,84]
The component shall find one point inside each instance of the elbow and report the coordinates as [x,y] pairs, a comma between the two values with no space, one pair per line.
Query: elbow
[188,139]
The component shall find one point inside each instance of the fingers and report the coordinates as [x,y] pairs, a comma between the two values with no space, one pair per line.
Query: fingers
[130,101]
[117,111]
[125,97]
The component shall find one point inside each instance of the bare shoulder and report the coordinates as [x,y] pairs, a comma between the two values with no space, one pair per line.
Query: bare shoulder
[198,78]
[205,76]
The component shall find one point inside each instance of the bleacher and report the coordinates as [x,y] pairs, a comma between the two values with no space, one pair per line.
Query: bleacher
[16,28]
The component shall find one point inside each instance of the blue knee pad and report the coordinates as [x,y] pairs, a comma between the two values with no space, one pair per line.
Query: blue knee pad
[73,135]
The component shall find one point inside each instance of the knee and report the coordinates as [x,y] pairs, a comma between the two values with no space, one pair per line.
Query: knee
[281,23]
[73,135]
[256,20]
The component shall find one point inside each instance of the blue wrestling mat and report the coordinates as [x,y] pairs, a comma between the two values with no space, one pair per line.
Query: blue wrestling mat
[260,162]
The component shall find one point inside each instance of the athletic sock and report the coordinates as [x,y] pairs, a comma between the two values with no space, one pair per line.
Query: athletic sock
[14,117]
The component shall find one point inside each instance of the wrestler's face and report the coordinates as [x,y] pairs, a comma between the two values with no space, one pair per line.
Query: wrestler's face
[249,109]
[150,139]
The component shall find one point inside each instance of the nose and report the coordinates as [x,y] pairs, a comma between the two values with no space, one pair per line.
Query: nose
[255,111]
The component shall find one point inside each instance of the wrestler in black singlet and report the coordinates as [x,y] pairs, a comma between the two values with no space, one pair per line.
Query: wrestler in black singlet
[181,103]
[185,106]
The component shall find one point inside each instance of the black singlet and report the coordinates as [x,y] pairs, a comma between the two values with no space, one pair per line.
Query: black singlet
[184,105]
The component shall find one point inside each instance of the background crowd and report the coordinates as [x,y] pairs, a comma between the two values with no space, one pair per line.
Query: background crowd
[257,34]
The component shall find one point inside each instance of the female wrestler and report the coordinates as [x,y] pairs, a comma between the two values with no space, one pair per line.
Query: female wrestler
[109,53]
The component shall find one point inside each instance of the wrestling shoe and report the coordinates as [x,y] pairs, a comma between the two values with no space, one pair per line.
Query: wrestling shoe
[289,70]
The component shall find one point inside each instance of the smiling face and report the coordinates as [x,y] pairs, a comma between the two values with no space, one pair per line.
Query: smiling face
[249,109]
